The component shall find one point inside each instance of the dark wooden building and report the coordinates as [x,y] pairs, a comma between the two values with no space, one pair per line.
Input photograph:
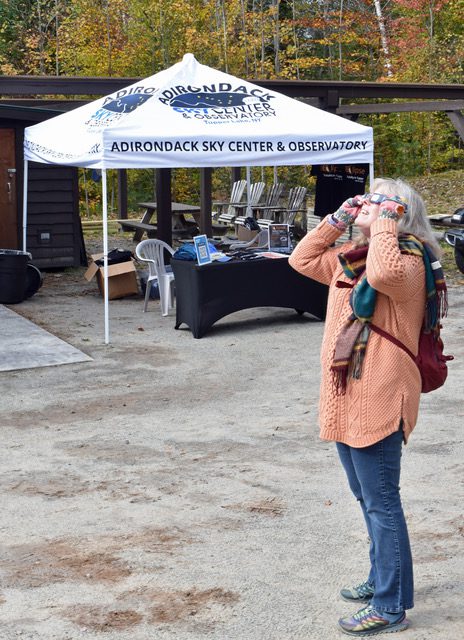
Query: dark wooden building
[54,232]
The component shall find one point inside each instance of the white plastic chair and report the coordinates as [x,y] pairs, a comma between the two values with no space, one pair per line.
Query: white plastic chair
[152,252]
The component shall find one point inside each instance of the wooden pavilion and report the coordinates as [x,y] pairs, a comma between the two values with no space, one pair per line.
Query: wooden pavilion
[58,239]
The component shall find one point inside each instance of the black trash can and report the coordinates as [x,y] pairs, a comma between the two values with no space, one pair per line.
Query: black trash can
[34,280]
[13,275]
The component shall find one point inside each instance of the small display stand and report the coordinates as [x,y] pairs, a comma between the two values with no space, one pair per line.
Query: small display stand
[202,249]
[279,238]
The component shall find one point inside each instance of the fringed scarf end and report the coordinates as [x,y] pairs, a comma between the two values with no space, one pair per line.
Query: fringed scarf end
[357,363]
[443,303]
[436,308]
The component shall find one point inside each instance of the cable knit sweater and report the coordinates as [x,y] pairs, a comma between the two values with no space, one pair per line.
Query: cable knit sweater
[390,386]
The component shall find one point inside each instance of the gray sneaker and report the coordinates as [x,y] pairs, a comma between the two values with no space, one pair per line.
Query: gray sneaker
[369,622]
[361,593]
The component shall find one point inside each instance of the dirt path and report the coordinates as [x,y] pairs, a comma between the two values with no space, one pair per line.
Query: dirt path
[176,488]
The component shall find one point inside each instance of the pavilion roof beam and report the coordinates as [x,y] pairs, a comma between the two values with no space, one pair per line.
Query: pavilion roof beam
[452,108]
[398,107]
[325,90]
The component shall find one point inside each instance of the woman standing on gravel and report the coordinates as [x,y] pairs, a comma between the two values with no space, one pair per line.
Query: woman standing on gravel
[370,388]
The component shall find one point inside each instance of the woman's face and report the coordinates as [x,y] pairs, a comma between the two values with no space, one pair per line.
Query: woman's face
[368,214]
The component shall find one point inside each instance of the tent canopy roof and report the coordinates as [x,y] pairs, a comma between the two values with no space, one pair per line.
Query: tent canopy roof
[190,115]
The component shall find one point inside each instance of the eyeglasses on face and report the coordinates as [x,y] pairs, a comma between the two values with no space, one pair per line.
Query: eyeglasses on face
[378,198]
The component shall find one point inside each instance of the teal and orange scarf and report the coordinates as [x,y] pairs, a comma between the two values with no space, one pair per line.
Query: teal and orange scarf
[351,344]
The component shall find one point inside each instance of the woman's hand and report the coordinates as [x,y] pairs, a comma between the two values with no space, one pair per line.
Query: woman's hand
[347,213]
[392,210]
[370,211]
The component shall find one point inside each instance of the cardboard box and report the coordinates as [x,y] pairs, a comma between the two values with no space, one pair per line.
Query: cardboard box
[122,278]
[244,234]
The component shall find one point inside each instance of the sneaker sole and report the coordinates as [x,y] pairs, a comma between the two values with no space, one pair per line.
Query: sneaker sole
[394,628]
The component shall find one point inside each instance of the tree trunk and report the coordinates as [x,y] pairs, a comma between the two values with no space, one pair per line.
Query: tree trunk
[340,50]
[162,37]
[383,38]
[275,5]
[57,42]
[245,37]
[262,39]
[41,38]
[224,34]
[431,35]
[327,39]
[295,41]
[108,37]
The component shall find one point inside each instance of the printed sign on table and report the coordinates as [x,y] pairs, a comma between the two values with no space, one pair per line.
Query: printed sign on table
[202,249]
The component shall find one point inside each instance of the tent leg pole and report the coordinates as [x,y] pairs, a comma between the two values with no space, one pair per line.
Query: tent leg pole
[105,255]
[371,175]
[25,183]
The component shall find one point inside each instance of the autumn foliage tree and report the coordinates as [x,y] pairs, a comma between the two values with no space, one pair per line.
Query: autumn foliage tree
[305,39]
[387,40]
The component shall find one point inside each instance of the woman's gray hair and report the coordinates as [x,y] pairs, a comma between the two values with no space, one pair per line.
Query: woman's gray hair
[414,220]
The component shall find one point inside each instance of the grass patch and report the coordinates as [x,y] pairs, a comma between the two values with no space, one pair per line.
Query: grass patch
[443,192]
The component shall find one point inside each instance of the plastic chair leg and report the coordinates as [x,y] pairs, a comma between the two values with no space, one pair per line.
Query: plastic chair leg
[165,293]
[147,295]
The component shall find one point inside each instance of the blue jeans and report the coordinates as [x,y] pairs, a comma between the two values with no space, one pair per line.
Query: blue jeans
[373,475]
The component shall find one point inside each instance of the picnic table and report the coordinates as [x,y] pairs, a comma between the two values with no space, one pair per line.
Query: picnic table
[446,220]
[181,225]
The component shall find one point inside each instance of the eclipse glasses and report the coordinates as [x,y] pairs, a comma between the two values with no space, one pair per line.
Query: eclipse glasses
[378,198]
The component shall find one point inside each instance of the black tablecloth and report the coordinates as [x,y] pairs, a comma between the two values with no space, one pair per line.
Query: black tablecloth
[204,294]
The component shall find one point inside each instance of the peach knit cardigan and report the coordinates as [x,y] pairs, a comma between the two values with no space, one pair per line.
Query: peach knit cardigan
[390,386]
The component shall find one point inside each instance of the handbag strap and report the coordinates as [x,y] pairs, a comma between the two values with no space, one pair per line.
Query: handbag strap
[388,336]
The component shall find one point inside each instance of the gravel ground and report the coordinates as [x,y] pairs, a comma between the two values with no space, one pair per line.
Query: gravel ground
[177,488]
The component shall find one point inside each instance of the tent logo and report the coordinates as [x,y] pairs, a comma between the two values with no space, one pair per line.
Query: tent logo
[126,104]
[221,102]
[209,100]
[115,107]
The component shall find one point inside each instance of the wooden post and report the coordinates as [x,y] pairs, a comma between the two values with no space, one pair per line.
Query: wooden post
[122,194]
[205,202]
[236,174]
[163,205]
[332,100]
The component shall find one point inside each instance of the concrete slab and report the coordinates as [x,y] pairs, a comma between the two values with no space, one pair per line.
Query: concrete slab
[24,345]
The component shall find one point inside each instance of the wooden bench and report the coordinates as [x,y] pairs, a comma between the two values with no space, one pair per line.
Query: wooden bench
[151,230]
[139,228]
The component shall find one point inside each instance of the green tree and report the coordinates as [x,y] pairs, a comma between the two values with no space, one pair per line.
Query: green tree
[435,28]
[29,35]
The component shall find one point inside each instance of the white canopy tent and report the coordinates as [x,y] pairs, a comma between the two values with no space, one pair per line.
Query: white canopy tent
[191,115]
